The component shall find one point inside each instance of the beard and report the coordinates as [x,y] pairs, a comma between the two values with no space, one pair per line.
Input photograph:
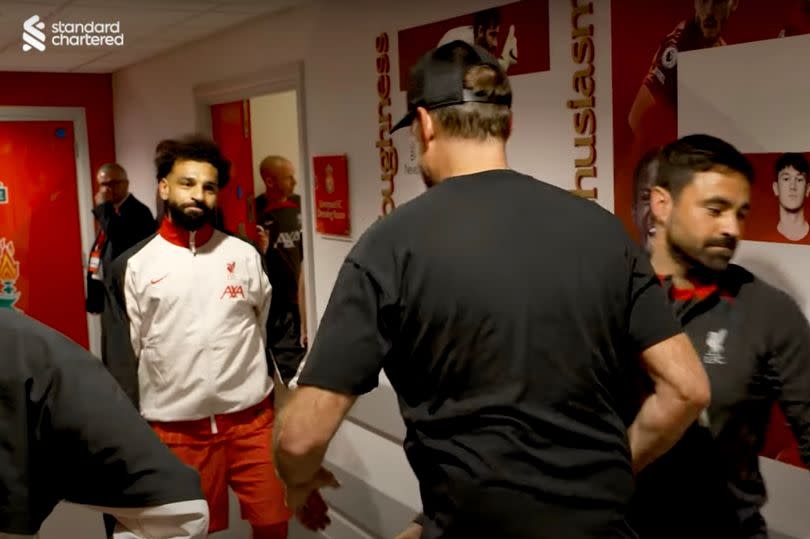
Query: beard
[187,221]
[706,257]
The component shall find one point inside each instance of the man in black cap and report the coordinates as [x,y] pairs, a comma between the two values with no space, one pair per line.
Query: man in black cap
[513,373]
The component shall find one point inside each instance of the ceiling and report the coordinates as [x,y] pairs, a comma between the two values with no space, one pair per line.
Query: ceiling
[150,28]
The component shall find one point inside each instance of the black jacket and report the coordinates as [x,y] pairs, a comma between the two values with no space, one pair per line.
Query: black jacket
[124,228]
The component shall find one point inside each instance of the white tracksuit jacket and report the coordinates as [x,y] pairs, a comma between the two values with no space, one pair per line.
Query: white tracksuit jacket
[197,305]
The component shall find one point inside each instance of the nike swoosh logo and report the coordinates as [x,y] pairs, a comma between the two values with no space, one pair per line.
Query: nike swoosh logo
[156,281]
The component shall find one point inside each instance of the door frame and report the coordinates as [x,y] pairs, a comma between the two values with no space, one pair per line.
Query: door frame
[280,79]
[75,115]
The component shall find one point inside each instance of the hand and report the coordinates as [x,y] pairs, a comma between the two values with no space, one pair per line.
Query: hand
[509,54]
[414,531]
[102,196]
[297,496]
[314,514]
[303,341]
[264,239]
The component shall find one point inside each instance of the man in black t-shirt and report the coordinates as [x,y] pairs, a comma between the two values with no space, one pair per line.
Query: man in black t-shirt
[278,212]
[70,433]
[513,377]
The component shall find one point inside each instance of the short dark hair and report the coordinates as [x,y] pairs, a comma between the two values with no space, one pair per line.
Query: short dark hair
[486,19]
[680,160]
[194,147]
[795,160]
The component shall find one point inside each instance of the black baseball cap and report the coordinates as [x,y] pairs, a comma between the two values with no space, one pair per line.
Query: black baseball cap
[437,79]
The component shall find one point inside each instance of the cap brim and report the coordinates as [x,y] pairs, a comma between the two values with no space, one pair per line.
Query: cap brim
[404,122]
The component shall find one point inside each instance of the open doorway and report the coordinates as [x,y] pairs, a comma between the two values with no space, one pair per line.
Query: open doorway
[260,115]
[255,120]
[279,222]
[263,204]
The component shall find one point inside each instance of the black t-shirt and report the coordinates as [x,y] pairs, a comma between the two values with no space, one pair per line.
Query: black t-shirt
[283,266]
[70,433]
[507,314]
[286,252]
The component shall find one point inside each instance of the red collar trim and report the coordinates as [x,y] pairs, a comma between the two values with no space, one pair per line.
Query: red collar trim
[182,237]
[276,205]
[698,292]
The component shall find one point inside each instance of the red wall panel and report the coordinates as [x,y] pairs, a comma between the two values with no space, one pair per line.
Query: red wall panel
[89,90]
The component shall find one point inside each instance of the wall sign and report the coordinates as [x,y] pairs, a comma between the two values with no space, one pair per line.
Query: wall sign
[331,195]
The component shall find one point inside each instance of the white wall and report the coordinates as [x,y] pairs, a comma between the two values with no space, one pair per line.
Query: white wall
[724,109]
[154,100]
[274,131]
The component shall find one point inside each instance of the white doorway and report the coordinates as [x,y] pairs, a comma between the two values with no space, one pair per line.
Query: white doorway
[279,123]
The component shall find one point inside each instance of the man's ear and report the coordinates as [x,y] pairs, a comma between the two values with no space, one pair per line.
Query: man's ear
[661,204]
[426,128]
[163,189]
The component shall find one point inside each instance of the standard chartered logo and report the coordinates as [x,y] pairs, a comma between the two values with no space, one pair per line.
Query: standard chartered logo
[71,34]
[33,35]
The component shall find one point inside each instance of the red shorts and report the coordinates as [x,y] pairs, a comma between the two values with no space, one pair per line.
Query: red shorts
[238,455]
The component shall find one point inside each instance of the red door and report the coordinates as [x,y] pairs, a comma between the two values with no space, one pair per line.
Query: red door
[230,123]
[41,270]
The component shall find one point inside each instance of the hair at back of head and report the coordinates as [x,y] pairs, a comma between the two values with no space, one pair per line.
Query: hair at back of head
[478,121]
[646,170]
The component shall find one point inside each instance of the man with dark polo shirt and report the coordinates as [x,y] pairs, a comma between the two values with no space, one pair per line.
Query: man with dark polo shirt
[512,375]
[753,339]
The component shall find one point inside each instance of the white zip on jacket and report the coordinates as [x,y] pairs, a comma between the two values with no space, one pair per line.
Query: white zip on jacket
[197,304]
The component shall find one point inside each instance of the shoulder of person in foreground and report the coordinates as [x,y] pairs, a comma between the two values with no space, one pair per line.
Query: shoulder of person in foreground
[87,429]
